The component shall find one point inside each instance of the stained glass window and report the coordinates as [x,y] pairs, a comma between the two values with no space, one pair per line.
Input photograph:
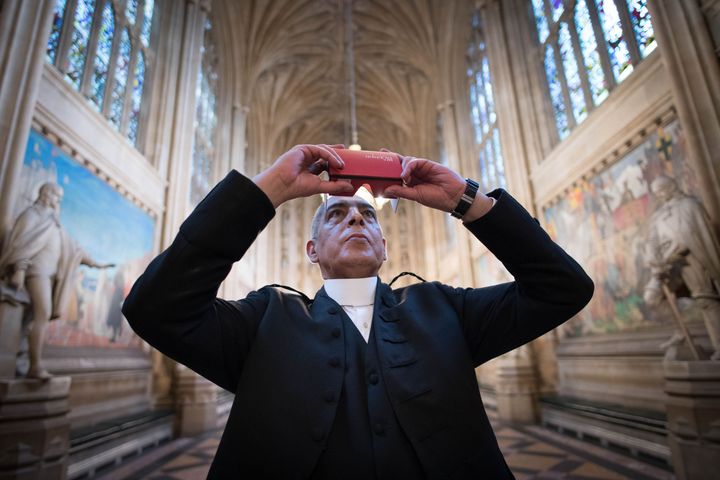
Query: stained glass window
[556,92]
[147,22]
[79,43]
[54,39]
[105,43]
[131,9]
[122,66]
[202,174]
[642,26]
[482,111]
[136,98]
[102,56]
[616,44]
[586,53]
[588,45]
[540,20]
[572,74]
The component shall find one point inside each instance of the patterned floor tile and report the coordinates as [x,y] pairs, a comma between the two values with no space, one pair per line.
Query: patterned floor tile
[532,453]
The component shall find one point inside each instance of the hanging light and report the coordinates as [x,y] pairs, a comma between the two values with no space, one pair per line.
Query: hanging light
[350,53]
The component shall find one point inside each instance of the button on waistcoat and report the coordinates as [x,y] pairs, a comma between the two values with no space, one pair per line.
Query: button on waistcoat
[366,440]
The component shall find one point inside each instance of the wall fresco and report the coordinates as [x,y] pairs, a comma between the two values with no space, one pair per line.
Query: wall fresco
[603,224]
[107,226]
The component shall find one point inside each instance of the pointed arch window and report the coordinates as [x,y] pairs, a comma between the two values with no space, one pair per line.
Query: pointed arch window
[104,50]
[588,48]
[204,141]
[482,111]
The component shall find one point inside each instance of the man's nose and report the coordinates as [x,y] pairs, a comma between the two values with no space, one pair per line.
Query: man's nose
[356,216]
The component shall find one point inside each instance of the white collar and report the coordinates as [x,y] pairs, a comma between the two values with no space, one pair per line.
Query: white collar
[352,291]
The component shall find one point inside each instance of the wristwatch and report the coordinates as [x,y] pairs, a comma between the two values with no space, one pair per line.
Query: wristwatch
[471,189]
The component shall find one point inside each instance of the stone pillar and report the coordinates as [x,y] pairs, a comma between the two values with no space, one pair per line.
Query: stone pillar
[238,138]
[24,30]
[693,413]
[517,383]
[34,428]
[688,54]
[182,130]
[516,389]
[195,403]
[711,10]
[512,135]
[451,141]
[193,396]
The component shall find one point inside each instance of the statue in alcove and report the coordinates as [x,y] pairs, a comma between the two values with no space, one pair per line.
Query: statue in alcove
[684,254]
[41,257]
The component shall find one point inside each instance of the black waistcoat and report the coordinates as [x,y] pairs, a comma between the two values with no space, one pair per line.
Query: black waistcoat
[366,440]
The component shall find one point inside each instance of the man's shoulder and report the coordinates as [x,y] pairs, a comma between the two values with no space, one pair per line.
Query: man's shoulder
[420,289]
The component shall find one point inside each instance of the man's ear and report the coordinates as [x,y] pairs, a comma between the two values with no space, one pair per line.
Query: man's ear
[385,257]
[310,251]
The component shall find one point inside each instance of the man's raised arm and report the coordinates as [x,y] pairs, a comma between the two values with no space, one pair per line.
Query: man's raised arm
[173,305]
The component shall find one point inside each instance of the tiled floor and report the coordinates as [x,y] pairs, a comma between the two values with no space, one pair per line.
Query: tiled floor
[531,452]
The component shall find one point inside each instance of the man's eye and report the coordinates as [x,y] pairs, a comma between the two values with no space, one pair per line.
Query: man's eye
[370,213]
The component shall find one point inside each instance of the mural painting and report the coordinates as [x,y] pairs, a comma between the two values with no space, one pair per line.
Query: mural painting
[603,222]
[109,228]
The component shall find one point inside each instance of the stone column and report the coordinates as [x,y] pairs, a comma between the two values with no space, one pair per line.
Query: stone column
[516,390]
[195,402]
[24,30]
[451,141]
[711,10]
[504,76]
[517,382]
[693,413]
[194,396]
[34,428]
[238,139]
[688,54]
[182,131]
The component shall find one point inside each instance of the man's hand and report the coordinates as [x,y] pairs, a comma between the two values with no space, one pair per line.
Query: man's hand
[295,174]
[436,186]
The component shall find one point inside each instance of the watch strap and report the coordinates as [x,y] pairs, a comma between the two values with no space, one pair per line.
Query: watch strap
[471,189]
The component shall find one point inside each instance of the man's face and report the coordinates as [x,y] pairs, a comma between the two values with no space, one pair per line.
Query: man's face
[349,241]
[51,197]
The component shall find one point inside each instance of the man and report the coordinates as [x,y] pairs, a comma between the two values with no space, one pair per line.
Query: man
[682,240]
[317,393]
[42,257]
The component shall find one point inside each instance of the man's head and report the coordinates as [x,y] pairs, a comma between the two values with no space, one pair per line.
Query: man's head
[50,195]
[347,240]
[664,188]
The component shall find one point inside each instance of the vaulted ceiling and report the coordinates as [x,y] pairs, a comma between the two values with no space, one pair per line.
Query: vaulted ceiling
[289,68]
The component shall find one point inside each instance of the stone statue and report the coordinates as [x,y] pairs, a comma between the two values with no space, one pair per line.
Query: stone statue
[41,257]
[683,247]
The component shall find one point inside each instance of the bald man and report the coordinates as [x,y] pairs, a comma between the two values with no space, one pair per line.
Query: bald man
[363,381]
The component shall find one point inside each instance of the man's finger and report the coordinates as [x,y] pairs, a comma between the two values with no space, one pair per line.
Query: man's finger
[402,192]
[334,188]
[409,167]
[331,155]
